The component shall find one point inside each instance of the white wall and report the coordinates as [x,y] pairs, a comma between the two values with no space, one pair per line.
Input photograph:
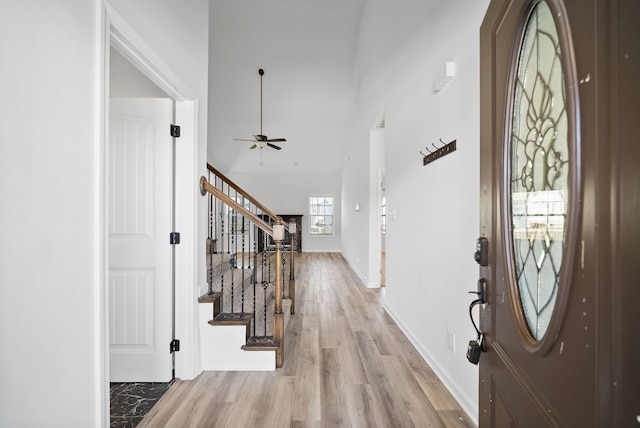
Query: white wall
[430,243]
[306,51]
[355,224]
[50,252]
[51,255]
[288,193]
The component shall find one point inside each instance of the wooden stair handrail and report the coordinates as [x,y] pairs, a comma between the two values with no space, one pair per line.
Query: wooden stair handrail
[206,187]
[240,190]
[278,316]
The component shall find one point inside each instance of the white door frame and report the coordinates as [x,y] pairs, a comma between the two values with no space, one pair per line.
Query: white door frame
[122,37]
[376,162]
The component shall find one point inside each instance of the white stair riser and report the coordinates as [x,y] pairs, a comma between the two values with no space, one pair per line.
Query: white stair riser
[221,347]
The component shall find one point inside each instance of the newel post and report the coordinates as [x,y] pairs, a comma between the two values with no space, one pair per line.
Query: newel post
[292,265]
[278,316]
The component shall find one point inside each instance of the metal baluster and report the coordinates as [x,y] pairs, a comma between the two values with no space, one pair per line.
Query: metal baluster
[209,251]
[242,267]
[209,256]
[284,262]
[232,258]
[222,254]
[265,284]
[269,258]
[230,216]
[254,276]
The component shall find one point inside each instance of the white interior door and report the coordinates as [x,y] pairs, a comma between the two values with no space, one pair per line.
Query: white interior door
[140,256]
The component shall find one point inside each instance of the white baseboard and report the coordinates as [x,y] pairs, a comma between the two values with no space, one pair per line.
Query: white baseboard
[355,269]
[470,408]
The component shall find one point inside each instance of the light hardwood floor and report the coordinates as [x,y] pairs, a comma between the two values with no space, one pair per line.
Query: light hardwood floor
[347,364]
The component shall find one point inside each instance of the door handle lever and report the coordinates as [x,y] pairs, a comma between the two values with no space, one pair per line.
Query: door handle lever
[481,290]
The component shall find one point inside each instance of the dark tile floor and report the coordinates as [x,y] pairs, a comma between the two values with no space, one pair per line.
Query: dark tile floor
[131,401]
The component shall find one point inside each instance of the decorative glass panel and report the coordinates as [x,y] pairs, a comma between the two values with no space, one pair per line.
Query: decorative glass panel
[539,169]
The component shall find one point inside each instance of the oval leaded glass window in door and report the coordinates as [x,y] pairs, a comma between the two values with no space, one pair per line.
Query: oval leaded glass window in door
[539,170]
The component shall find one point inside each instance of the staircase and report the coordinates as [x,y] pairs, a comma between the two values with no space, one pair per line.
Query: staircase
[250,280]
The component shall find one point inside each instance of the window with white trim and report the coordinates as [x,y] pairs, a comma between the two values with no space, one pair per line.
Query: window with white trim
[321,215]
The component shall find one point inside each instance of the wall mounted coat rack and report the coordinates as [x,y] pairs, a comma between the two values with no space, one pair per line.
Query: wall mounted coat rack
[439,152]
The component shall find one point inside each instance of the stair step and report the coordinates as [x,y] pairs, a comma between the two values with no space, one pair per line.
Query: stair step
[210,298]
[242,319]
[261,344]
[232,319]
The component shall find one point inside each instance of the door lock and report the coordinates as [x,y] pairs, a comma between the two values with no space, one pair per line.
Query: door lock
[481,256]
[474,350]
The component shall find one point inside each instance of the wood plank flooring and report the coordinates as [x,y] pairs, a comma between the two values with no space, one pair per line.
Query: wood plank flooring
[346,364]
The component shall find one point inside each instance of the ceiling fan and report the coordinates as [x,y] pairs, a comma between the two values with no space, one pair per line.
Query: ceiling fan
[260,139]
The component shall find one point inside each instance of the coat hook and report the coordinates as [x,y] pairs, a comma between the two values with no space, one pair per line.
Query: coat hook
[427,149]
[439,152]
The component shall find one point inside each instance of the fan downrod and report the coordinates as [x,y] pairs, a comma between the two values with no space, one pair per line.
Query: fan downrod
[260,139]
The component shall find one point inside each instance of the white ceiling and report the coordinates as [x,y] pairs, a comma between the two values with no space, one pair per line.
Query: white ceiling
[306,48]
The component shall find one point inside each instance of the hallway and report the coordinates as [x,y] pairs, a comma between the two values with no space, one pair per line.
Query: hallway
[346,364]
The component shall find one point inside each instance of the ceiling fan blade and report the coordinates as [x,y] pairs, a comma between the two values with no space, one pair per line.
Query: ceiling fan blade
[254,146]
[273,146]
[276,140]
[241,139]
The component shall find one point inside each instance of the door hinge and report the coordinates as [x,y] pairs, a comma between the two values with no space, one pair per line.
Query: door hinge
[174,346]
[175,131]
[174,238]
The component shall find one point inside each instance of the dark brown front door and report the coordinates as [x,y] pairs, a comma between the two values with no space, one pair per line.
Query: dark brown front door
[560,208]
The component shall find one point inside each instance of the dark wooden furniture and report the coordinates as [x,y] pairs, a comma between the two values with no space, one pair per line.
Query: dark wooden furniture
[298,219]
[286,218]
